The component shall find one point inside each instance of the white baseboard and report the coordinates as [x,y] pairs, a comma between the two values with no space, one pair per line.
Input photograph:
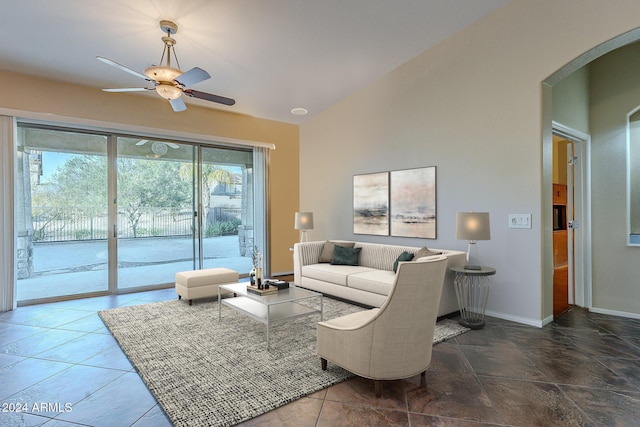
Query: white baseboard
[524,320]
[615,313]
[547,320]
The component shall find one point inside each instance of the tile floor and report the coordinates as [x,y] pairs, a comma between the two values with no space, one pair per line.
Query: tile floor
[60,363]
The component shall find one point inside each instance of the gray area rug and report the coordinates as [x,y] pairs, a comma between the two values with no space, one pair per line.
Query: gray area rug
[219,373]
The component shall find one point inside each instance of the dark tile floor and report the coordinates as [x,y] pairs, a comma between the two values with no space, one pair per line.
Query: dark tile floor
[59,366]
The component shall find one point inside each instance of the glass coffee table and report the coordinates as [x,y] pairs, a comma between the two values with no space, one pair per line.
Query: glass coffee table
[268,309]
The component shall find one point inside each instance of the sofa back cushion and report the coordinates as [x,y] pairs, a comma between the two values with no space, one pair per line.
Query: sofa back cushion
[382,257]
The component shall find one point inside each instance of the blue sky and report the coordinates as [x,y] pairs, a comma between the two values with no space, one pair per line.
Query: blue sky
[51,161]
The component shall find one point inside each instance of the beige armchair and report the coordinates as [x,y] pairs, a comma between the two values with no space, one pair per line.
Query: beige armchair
[395,340]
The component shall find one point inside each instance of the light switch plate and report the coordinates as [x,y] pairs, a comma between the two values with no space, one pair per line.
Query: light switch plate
[519,220]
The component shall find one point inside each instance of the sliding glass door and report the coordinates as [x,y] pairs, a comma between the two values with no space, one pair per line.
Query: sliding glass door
[227,208]
[100,213]
[61,213]
[156,211]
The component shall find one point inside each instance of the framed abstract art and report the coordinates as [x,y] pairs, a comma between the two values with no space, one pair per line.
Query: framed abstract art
[371,204]
[413,203]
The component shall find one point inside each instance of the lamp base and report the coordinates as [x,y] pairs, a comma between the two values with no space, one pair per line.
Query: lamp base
[472,256]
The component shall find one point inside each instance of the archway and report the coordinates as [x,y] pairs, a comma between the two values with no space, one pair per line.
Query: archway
[547,146]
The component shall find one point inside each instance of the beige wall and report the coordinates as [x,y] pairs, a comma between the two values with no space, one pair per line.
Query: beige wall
[472,106]
[615,92]
[571,101]
[60,99]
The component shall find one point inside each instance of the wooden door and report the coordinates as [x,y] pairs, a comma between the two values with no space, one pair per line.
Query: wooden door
[560,256]
[560,272]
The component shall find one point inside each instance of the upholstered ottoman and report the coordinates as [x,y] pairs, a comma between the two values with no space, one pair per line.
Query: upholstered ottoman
[203,283]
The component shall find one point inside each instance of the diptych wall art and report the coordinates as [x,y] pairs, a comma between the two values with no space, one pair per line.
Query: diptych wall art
[371,204]
[398,203]
[413,203]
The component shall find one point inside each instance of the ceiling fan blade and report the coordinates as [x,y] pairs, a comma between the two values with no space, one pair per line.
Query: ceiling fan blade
[122,67]
[128,89]
[178,105]
[209,97]
[172,145]
[142,142]
[191,77]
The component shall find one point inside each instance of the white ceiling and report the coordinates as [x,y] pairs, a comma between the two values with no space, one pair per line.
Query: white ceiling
[269,55]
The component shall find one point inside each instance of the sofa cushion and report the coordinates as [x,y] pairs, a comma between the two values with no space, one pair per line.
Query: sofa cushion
[404,256]
[376,281]
[346,256]
[336,274]
[327,249]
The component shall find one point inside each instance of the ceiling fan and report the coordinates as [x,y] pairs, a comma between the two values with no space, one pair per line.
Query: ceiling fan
[158,147]
[170,82]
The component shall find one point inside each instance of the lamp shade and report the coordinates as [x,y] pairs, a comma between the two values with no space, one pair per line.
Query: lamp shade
[304,221]
[473,226]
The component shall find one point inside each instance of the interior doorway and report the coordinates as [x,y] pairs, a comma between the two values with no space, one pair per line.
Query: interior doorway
[563,288]
[571,220]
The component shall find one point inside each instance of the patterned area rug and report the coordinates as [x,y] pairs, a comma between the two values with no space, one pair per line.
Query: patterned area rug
[218,373]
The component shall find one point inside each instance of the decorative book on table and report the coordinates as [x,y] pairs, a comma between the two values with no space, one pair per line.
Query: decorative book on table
[253,289]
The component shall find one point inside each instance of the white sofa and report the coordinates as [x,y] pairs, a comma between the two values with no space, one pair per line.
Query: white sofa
[369,282]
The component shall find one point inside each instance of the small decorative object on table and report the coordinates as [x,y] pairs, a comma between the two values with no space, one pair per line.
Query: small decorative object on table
[280,284]
[255,260]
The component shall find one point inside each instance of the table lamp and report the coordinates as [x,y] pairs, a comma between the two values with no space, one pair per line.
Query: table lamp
[472,226]
[304,222]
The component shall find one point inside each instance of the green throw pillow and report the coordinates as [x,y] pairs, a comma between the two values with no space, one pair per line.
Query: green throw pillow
[404,256]
[345,256]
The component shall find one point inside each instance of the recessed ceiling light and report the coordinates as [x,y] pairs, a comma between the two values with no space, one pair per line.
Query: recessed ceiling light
[299,111]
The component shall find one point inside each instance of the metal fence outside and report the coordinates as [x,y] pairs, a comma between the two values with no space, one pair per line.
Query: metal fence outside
[59,224]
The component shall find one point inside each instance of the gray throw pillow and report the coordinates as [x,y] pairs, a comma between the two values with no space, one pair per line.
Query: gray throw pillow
[404,256]
[327,250]
[425,252]
[346,256]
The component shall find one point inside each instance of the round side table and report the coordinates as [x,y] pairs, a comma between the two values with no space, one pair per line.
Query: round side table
[472,291]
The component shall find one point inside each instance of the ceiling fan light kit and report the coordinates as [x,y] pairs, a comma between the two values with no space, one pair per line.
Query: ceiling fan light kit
[170,82]
[159,148]
[162,74]
[168,91]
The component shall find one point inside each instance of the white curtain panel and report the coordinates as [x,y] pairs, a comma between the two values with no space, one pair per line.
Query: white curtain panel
[261,186]
[7,235]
